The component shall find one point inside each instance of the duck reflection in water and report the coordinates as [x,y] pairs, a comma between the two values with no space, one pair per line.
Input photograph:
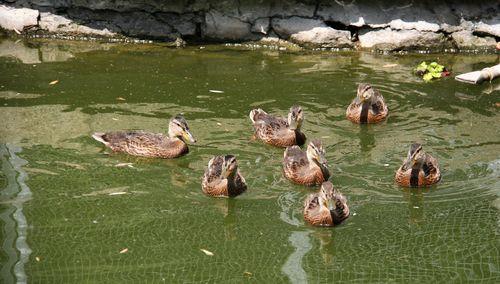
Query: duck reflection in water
[326,242]
[228,208]
[415,199]
[366,138]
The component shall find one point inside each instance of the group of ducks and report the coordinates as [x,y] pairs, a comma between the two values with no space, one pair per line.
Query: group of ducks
[222,178]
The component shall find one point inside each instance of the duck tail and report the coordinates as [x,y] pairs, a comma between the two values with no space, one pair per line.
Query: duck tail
[342,209]
[254,113]
[99,136]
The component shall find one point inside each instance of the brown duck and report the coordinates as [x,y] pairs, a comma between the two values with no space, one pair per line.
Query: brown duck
[328,207]
[145,144]
[307,168]
[368,106]
[276,130]
[419,168]
[222,177]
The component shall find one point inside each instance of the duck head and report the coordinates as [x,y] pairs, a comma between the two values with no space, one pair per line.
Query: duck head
[365,92]
[316,153]
[179,128]
[415,157]
[327,196]
[295,117]
[230,166]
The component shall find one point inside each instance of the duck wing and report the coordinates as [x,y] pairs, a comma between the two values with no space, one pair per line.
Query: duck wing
[431,169]
[214,170]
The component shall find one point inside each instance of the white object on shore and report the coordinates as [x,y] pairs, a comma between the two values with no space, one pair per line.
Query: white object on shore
[478,77]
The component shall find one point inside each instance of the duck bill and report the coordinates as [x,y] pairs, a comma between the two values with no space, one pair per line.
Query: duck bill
[322,161]
[188,136]
[330,204]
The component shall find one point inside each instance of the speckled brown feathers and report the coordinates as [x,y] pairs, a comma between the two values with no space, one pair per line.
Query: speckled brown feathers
[307,168]
[222,177]
[278,131]
[327,207]
[145,144]
[139,143]
[368,106]
[418,169]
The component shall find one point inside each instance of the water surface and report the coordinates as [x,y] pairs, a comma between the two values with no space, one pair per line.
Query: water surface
[67,210]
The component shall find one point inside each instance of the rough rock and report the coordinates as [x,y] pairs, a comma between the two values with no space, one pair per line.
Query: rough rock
[388,39]
[185,24]
[288,8]
[219,26]
[388,25]
[59,24]
[419,26]
[17,19]
[324,37]
[289,26]
[466,40]
[483,28]
[311,32]
[261,25]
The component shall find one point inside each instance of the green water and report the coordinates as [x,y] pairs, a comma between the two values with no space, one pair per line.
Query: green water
[67,210]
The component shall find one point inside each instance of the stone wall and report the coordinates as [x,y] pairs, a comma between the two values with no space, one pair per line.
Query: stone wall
[364,24]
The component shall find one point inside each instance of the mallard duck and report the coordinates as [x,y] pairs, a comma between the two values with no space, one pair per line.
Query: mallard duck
[418,169]
[368,106]
[276,130]
[139,143]
[308,168]
[222,177]
[328,207]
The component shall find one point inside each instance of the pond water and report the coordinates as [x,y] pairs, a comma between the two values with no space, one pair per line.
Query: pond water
[71,211]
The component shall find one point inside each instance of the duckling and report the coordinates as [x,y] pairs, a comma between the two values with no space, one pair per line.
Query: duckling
[328,207]
[222,177]
[307,168]
[419,168]
[368,106]
[139,143]
[276,130]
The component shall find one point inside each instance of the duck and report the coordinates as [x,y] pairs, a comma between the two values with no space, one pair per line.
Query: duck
[419,169]
[222,177]
[278,131]
[306,167]
[327,207]
[145,144]
[368,106]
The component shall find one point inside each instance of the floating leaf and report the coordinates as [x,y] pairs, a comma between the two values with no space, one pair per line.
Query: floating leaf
[54,82]
[216,91]
[118,193]
[125,250]
[427,77]
[207,252]
[120,99]
[390,65]
[123,165]
[37,258]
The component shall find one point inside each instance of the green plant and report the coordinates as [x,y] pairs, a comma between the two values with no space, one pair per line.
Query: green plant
[430,71]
